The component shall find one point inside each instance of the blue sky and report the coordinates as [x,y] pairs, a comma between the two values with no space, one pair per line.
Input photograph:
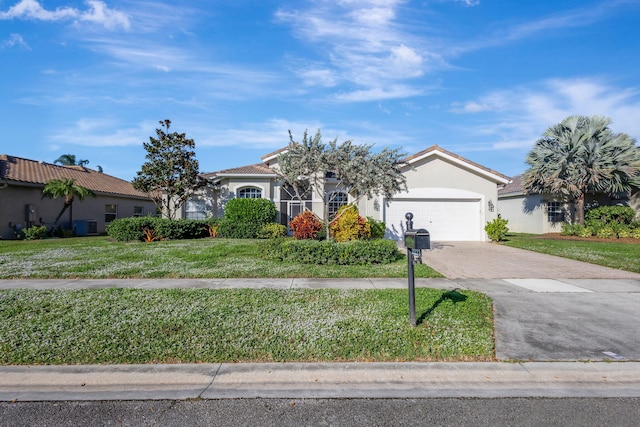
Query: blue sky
[480,78]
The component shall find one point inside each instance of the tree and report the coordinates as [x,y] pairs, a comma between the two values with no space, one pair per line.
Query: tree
[70,160]
[170,175]
[67,188]
[353,169]
[579,156]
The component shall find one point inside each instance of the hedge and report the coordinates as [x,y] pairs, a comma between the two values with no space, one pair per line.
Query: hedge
[357,252]
[130,229]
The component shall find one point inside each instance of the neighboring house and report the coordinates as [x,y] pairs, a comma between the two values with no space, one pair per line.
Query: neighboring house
[544,213]
[450,196]
[22,204]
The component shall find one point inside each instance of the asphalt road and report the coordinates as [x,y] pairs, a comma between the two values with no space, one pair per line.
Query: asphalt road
[328,412]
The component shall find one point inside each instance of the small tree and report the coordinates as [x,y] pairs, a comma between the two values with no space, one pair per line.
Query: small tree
[67,188]
[170,175]
[581,156]
[352,169]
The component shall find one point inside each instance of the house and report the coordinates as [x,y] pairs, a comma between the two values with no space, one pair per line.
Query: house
[22,205]
[450,196]
[544,213]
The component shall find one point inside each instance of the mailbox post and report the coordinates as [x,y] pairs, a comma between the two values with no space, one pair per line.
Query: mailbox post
[414,239]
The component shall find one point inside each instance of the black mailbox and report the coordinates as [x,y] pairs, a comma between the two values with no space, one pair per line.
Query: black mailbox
[417,239]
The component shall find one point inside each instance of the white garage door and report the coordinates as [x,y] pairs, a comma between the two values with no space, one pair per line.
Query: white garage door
[445,219]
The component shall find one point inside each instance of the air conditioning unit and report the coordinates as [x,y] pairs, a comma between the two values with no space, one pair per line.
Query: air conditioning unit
[85,227]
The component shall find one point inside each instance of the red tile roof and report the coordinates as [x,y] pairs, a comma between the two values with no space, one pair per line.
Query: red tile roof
[27,171]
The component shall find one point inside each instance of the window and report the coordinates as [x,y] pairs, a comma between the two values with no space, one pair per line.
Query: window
[555,212]
[110,213]
[195,209]
[249,193]
[138,211]
[336,200]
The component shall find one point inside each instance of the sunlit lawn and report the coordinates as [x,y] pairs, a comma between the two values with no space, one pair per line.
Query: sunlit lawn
[100,257]
[623,256]
[238,325]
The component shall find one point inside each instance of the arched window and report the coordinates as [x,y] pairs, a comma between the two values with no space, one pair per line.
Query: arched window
[336,200]
[249,193]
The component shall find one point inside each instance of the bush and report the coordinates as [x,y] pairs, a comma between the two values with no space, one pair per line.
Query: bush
[348,225]
[305,225]
[497,229]
[272,231]
[35,232]
[606,215]
[130,229]
[244,218]
[331,253]
[378,228]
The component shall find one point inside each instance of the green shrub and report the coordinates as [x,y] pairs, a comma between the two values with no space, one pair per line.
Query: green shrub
[272,230]
[130,229]
[378,228]
[497,229]
[244,218]
[606,215]
[584,231]
[357,252]
[35,232]
[606,232]
[624,231]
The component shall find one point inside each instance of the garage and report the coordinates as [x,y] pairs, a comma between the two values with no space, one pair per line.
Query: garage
[445,219]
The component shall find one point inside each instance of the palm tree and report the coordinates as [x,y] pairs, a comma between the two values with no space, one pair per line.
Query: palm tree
[67,188]
[580,156]
[70,160]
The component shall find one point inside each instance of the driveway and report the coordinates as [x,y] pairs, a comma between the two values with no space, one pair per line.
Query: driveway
[547,307]
[483,260]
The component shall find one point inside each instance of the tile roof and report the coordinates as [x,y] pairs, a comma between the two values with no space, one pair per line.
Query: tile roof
[436,148]
[257,169]
[514,187]
[28,171]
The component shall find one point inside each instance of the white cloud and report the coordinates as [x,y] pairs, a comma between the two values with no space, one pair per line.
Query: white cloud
[14,40]
[362,43]
[102,133]
[98,13]
[516,117]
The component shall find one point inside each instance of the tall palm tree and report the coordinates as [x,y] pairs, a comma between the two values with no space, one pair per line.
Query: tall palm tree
[67,188]
[580,156]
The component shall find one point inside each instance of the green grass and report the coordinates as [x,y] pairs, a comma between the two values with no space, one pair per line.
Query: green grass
[623,256]
[100,257]
[202,325]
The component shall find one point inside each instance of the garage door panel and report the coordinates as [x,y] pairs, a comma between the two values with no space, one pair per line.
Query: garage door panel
[445,219]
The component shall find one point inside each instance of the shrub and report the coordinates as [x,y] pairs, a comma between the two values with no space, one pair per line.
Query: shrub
[305,225]
[606,215]
[348,225]
[152,228]
[606,232]
[497,229]
[272,231]
[35,232]
[244,218]
[357,252]
[378,228]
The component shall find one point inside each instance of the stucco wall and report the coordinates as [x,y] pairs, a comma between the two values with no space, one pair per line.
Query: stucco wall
[14,199]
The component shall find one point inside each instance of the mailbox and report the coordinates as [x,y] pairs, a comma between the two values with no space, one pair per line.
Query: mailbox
[417,239]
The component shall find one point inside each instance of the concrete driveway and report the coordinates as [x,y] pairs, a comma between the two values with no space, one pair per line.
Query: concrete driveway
[547,307]
[483,260]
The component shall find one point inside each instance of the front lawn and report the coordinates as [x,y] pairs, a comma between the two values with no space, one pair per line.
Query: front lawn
[609,253]
[100,257]
[241,325]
